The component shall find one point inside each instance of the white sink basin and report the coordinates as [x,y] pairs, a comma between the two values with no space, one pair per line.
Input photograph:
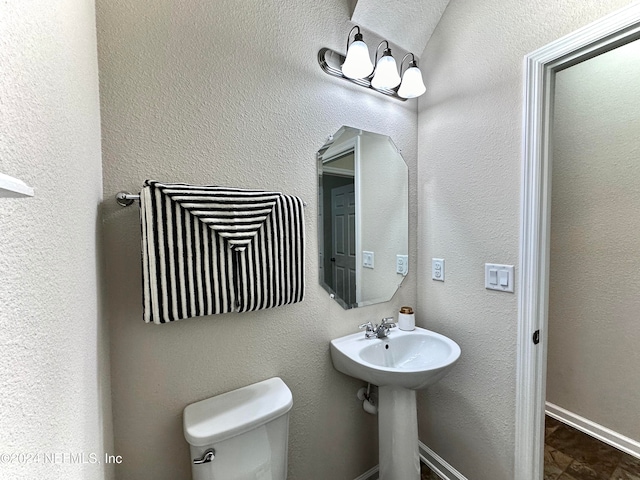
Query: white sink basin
[409,359]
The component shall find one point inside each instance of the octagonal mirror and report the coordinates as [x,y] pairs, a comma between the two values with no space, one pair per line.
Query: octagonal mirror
[363,217]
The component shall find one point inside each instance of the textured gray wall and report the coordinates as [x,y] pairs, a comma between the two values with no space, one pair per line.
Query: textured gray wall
[469,163]
[54,373]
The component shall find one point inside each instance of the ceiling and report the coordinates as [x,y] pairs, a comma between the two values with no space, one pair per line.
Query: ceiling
[405,23]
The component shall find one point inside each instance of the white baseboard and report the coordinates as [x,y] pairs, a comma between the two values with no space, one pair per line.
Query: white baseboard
[372,474]
[430,458]
[438,465]
[604,434]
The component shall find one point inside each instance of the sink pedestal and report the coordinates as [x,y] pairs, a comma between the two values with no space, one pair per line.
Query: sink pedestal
[399,364]
[398,434]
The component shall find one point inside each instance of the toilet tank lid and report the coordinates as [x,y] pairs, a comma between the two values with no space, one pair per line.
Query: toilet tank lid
[224,416]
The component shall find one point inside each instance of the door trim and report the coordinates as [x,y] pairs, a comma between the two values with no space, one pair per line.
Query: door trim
[618,28]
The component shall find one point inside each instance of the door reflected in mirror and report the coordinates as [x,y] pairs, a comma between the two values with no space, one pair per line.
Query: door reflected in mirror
[363,217]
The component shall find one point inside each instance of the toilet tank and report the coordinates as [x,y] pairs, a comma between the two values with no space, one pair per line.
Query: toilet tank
[248,428]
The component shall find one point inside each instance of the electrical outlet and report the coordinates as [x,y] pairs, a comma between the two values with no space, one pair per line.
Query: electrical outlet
[437,269]
[402,264]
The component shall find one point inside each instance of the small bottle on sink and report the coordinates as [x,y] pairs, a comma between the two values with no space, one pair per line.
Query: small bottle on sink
[406,319]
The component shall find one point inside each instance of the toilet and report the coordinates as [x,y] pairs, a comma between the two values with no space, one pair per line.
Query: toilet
[242,434]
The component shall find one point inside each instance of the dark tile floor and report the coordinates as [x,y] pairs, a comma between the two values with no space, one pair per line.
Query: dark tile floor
[426,474]
[572,455]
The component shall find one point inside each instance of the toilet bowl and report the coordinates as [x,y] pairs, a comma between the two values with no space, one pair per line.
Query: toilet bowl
[242,434]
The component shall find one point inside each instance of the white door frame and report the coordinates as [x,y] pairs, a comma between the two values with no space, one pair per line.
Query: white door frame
[540,67]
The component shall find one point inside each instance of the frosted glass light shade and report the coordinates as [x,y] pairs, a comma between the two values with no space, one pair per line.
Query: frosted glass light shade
[412,84]
[386,73]
[357,64]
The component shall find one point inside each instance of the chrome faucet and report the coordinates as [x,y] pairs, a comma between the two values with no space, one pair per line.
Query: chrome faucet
[378,331]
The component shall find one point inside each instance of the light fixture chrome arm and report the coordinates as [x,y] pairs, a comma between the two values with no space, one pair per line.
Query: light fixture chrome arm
[375,63]
[355,37]
[413,62]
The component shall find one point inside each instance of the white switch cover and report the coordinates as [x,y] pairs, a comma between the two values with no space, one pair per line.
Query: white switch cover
[402,264]
[437,269]
[367,259]
[498,277]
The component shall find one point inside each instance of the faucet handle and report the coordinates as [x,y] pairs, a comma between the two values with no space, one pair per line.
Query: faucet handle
[388,322]
[371,329]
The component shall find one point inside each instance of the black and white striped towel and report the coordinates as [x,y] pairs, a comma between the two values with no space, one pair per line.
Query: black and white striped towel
[209,250]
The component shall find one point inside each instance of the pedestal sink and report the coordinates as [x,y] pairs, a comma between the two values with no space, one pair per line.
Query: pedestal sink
[398,364]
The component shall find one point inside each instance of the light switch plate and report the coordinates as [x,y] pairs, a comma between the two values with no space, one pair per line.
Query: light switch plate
[498,277]
[437,269]
[367,259]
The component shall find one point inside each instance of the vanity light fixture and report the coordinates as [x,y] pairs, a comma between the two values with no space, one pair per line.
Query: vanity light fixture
[357,68]
[357,64]
[412,85]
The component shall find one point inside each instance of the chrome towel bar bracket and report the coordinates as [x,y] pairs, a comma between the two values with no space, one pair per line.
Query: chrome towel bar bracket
[125,199]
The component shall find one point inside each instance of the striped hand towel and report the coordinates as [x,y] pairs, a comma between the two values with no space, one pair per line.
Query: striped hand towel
[209,250]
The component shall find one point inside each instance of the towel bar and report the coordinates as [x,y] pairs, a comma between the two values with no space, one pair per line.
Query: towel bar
[125,199]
